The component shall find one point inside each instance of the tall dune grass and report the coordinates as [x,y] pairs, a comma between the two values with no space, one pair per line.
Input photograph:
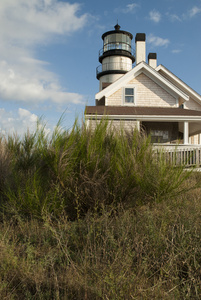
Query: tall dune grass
[94,214]
[84,170]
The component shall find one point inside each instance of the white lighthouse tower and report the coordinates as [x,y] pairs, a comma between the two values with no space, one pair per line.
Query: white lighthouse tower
[116,56]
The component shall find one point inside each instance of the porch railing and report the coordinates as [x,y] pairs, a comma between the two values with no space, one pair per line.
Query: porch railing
[187,155]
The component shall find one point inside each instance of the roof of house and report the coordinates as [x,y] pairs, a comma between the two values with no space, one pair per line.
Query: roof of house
[143,67]
[143,113]
[163,70]
[140,110]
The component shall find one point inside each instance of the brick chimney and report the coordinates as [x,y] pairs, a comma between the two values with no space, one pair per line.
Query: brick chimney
[140,47]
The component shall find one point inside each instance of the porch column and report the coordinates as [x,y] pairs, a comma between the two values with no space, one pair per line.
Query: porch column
[199,139]
[186,133]
[138,125]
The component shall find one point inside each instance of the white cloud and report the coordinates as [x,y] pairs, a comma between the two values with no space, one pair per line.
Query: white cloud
[194,11]
[17,121]
[176,51]
[157,41]
[24,26]
[191,13]
[40,85]
[174,17]
[130,8]
[33,21]
[154,16]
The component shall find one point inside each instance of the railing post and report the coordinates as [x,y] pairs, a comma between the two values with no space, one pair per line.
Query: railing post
[197,156]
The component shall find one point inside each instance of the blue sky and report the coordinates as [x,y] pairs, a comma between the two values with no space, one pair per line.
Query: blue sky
[49,52]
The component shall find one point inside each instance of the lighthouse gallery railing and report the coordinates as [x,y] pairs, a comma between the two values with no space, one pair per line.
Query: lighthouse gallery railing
[113,66]
[117,46]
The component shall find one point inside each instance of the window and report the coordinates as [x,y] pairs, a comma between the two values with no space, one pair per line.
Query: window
[129,96]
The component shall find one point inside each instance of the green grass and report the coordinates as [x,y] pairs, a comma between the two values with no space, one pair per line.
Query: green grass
[96,215]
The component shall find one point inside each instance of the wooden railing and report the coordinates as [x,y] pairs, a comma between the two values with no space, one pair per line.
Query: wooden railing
[187,155]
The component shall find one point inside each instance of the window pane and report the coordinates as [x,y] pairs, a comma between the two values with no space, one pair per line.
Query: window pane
[128,40]
[123,38]
[129,99]
[129,91]
[112,38]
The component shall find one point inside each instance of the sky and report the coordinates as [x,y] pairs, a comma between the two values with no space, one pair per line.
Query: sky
[49,53]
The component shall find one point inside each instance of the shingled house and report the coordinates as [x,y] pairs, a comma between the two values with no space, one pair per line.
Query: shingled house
[144,96]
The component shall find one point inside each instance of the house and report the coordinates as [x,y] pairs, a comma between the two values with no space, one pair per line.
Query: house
[145,96]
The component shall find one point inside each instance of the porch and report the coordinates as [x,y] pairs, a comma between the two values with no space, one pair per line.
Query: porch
[166,125]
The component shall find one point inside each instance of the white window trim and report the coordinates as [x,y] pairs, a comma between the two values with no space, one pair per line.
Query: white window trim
[123,95]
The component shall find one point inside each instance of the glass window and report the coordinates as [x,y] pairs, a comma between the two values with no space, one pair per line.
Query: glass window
[112,38]
[117,41]
[106,40]
[118,38]
[129,95]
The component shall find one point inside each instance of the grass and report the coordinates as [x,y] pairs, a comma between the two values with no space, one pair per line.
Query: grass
[94,215]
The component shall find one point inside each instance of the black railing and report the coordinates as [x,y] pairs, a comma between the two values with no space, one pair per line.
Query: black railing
[113,66]
[117,46]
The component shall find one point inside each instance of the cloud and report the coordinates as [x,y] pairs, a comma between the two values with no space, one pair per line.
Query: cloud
[185,16]
[154,16]
[174,17]
[17,84]
[17,121]
[33,21]
[25,26]
[130,8]
[176,51]
[194,11]
[157,41]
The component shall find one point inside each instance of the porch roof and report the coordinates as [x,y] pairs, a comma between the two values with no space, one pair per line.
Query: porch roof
[143,113]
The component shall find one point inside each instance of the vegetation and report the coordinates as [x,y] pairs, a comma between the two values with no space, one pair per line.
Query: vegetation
[95,214]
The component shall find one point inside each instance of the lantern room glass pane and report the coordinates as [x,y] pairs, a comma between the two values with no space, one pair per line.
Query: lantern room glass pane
[117,38]
[117,41]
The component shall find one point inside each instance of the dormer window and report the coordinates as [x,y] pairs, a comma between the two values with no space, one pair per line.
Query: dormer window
[129,96]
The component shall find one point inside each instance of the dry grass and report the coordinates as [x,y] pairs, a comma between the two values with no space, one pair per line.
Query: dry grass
[152,252]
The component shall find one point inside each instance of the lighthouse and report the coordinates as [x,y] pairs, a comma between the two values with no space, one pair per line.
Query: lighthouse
[116,56]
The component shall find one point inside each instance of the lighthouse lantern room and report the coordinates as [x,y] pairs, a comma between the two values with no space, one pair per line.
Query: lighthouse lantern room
[116,56]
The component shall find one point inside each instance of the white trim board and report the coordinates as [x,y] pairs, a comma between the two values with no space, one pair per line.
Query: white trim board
[146,117]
